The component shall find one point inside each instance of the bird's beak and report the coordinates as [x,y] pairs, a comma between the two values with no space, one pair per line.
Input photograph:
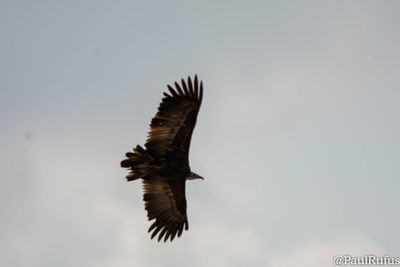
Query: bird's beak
[196,176]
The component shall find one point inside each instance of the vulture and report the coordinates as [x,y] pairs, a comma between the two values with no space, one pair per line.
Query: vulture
[163,163]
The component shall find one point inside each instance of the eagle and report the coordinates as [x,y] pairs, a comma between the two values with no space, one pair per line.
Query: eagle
[163,163]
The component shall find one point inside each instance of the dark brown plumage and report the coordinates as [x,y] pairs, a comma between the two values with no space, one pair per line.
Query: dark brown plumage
[164,163]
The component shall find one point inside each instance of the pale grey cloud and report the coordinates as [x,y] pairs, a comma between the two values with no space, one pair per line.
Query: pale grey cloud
[316,253]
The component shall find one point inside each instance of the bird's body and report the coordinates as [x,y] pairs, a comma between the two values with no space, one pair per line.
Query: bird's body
[163,165]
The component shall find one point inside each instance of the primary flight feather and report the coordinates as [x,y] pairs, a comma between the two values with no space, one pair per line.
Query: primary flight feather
[163,165]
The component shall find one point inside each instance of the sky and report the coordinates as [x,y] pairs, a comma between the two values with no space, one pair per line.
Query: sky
[297,137]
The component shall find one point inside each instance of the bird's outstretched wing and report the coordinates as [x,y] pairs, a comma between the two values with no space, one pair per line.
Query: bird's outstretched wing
[165,202]
[172,126]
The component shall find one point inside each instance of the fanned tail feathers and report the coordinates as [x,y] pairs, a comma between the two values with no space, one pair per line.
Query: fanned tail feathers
[137,162]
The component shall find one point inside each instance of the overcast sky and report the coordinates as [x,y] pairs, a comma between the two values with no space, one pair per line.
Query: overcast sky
[297,138]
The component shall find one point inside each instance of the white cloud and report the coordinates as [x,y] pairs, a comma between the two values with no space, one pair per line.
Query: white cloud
[317,253]
[131,237]
[221,244]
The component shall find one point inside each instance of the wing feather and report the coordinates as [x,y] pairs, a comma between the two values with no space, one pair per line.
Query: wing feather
[172,127]
[173,92]
[178,88]
[166,203]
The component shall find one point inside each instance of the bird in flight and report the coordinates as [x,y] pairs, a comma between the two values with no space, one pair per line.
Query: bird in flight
[163,165]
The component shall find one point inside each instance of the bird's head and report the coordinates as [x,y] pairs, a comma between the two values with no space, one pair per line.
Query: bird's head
[193,176]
